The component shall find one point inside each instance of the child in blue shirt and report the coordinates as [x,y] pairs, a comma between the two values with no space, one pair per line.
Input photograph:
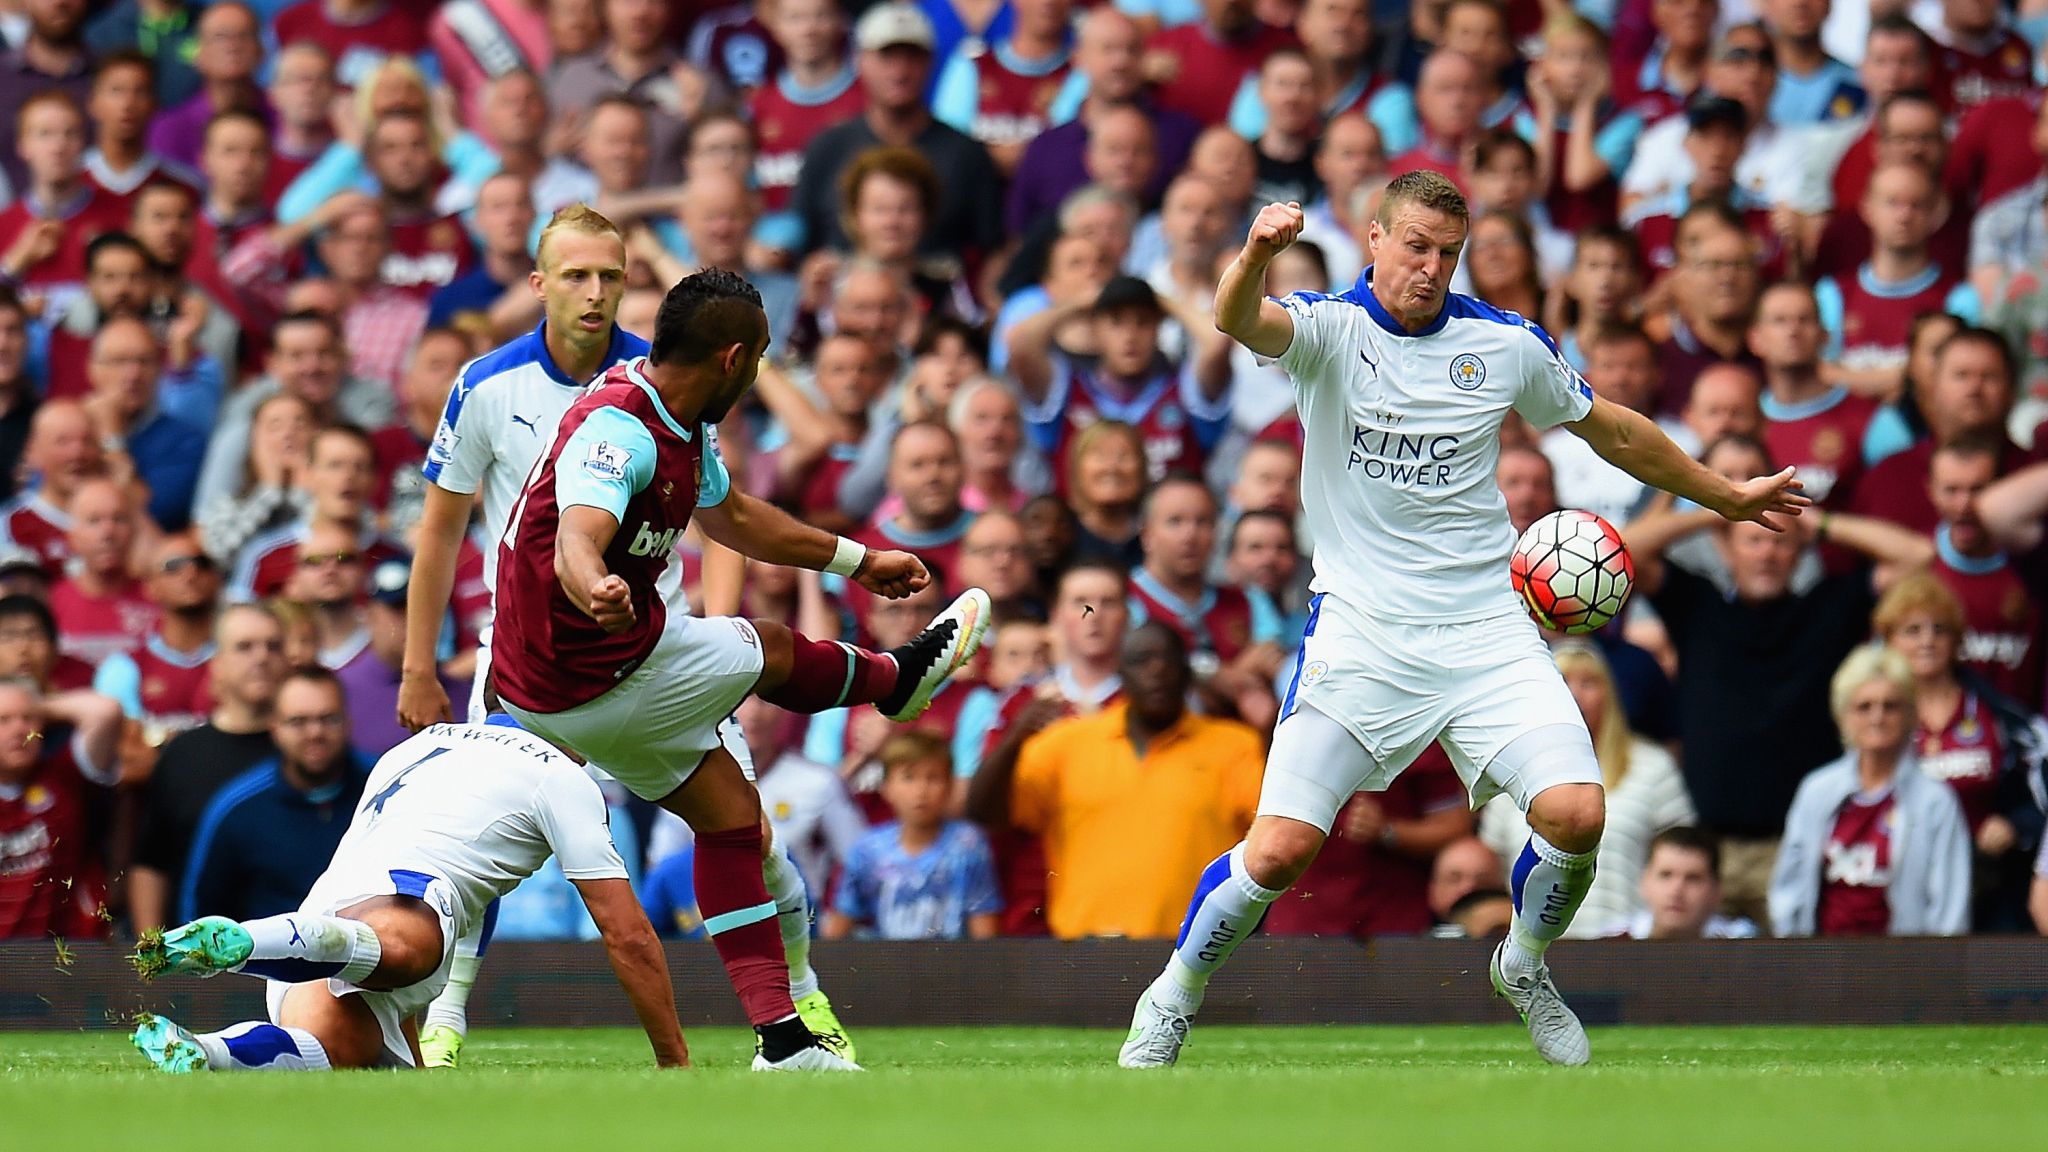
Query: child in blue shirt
[922,877]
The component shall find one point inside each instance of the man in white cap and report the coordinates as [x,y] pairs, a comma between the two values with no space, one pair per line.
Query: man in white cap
[895,42]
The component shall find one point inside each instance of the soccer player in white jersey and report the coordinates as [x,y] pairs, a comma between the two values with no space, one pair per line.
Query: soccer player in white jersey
[500,416]
[450,820]
[1414,634]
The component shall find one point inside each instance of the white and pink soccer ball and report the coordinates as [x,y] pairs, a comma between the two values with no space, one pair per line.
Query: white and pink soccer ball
[1572,571]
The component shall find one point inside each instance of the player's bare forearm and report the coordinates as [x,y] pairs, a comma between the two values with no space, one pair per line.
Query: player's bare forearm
[443,518]
[1245,315]
[638,962]
[1633,443]
[580,541]
[757,529]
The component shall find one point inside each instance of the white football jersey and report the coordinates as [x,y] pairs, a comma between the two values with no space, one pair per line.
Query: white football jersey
[481,806]
[1402,435]
[500,416]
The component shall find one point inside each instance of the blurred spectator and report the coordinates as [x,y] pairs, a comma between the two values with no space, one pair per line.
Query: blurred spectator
[717,219]
[1602,289]
[100,607]
[117,283]
[359,34]
[925,475]
[1503,264]
[1336,39]
[1981,56]
[1621,365]
[120,106]
[921,876]
[268,495]
[1872,847]
[1583,134]
[1714,132]
[128,412]
[1193,228]
[1001,471]
[888,198]
[1286,88]
[64,453]
[1726,401]
[401,449]
[817,88]
[190,306]
[1869,315]
[1372,876]
[1898,58]
[1713,297]
[229,54]
[1215,623]
[995,558]
[1000,93]
[1907,130]
[339,477]
[1127,799]
[1752,680]
[1501,169]
[1481,914]
[1263,559]
[59,210]
[504,216]
[1969,397]
[1813,87]
[1528,484]
[1198,67]
[369,677]
[1108,77]
[52,882]
[1349,154]
[1983,743]
[1645,795]
[1663,79]
[513,124]
[1461,868]
[242,680]
[895,42]
[1449,99]
[1681,892]
[52,62]
[1478,30]
[267,834]
[329,577]
[1106,489]
[1181,409]
[166,32]
[634,61]
[306,360]
[300,96]
[162,681]
[430,248]
[1821,429]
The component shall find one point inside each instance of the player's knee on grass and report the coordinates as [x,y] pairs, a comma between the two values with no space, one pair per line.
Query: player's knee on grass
[1570,816]
[408,937]
[344,1025]
[1278,850]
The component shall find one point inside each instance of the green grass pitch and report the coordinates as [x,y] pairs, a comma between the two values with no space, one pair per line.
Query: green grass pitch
[1929,1089]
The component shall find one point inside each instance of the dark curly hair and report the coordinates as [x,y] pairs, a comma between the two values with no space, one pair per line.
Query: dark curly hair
[704,314]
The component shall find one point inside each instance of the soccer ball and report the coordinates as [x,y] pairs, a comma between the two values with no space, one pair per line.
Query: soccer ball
[1572,571]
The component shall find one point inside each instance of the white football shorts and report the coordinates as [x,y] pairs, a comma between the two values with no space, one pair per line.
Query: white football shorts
[335,891]
[652,729]
[1478,686]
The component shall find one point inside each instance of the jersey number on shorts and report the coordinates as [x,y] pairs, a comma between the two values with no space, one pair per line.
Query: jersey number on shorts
[375,804]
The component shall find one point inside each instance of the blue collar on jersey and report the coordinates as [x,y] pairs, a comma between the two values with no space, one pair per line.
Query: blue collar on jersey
[1361,295]
[614,353]
[1953,557]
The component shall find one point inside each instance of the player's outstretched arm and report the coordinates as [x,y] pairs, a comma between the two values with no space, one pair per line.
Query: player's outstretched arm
[638,962]
[1243,312]
[1633,443]
[580,540]
[756,528]
[421,698]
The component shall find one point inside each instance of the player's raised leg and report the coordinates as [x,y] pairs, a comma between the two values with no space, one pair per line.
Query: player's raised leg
[1314,766]
[724,811]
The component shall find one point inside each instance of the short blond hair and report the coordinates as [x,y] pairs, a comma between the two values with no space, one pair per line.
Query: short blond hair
[1425,189]
[915,746]
[1866,664]
[1922,593]
[575,218]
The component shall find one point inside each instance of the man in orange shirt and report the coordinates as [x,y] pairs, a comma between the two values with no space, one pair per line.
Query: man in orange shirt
[1135,799]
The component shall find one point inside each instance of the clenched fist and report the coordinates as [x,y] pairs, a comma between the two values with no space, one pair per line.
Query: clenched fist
[1277,227]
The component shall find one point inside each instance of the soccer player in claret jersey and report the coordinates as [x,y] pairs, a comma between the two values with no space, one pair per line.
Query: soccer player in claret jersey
[1414,635]
[589,654]
[450,820]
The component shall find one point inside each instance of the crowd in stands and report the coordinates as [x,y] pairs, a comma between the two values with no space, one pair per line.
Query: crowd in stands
[245,248]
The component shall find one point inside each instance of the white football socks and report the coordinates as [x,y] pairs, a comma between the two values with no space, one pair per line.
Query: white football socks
[792,915]
[1227,905]
[297,947]
[1548,885]
[255,1046]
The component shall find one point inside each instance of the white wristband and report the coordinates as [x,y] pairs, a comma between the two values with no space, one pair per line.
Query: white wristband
[847,557]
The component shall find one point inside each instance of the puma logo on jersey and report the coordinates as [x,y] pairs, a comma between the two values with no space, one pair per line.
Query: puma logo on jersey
[530,425]
[648,542]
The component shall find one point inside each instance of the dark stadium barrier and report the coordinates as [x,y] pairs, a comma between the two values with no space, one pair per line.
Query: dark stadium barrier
[1981,980]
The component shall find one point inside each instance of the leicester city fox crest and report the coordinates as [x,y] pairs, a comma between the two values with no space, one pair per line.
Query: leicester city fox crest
[1468,372]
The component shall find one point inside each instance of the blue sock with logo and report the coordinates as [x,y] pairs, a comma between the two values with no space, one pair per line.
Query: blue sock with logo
[1548,885]
[254,1046]
[298,947]
[1228,904]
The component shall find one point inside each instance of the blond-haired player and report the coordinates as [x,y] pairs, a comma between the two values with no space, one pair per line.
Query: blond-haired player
[499,418]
